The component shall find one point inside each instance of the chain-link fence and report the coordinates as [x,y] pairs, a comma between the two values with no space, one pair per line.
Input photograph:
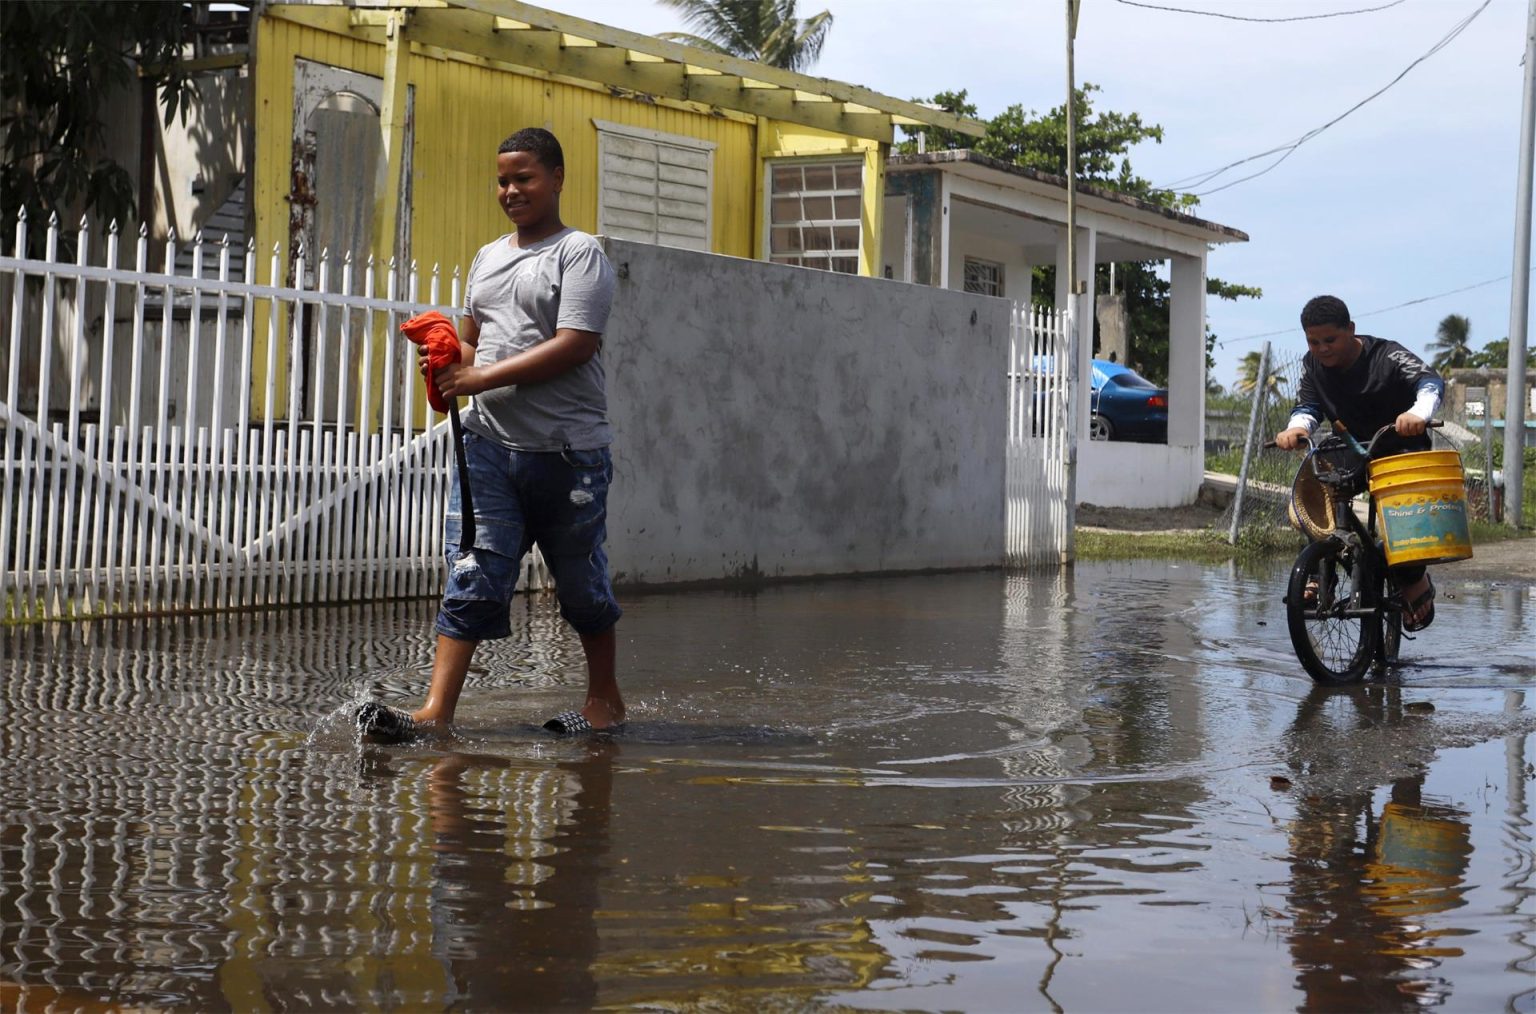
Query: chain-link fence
[1254,412]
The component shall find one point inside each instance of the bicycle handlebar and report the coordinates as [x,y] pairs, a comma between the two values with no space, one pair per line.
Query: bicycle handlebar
[1432,424]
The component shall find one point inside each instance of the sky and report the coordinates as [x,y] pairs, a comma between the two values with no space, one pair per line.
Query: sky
[1410,196]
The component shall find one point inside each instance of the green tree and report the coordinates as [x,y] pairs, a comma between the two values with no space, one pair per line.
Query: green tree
[1039,141]
[1451,342]
[1103,141]
[58,63]
[1495,356]
[767,31]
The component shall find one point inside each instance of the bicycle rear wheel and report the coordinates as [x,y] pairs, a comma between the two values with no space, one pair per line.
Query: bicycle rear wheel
[1327,608]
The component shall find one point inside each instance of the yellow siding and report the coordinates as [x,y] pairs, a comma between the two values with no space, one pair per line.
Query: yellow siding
[462,112]
[789,140]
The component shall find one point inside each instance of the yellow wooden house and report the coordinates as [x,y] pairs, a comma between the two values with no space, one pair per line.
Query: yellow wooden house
[376,127]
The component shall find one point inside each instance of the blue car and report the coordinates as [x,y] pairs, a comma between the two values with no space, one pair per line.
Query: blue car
[1126,405]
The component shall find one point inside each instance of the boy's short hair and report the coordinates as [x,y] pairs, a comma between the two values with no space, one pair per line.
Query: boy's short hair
[541,143]
[1325,310]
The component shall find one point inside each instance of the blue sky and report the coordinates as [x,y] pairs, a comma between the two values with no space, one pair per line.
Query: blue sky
[1410,196]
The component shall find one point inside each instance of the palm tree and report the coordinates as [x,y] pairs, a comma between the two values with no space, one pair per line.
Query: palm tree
[766,31]
[1248,375]
[1451,340]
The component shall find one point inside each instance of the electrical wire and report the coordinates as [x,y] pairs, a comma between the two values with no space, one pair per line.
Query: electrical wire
[1239,17]
[1201,179]
[1371,313]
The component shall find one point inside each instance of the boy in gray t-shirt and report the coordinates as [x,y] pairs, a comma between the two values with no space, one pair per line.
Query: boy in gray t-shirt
[536,442]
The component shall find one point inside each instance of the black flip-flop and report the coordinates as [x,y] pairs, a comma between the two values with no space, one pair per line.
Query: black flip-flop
[382,724]
[574,723]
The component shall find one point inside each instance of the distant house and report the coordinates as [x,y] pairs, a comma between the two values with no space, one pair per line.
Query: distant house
[336,132]
[369,132]
[1475,398]
[372,130]
[962,220]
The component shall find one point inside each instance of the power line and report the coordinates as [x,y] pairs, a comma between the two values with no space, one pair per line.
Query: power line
[1239,17]
[1372,313]
[1200,179]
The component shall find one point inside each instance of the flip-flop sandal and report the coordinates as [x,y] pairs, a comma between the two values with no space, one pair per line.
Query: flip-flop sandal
[382,724]
[1426,597]
[574,723]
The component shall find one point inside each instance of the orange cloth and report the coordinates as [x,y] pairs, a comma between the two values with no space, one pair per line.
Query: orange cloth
[437,334]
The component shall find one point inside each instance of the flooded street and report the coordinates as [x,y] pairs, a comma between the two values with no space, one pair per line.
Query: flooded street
[1112,789]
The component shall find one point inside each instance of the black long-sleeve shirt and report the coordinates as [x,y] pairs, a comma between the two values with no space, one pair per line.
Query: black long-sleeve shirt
[1384,382]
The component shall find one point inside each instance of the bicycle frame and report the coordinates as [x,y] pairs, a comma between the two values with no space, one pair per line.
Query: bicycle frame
[1339,637]
[1361,538]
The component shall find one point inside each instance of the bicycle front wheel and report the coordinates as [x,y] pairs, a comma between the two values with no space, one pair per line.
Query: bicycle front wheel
[1391,636]
[1329,608]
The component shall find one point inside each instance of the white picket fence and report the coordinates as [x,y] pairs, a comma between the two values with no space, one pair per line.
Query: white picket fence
[143,473]
[179,442]
[1039,514]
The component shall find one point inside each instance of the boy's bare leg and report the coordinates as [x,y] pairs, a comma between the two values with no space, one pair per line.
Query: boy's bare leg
[604,706]
[449,667]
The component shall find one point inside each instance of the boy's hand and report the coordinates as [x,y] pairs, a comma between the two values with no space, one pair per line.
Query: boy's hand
[457,380]
[1289,440]
[1410,425]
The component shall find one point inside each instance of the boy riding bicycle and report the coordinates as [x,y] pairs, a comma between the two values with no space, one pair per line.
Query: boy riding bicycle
[1361,383]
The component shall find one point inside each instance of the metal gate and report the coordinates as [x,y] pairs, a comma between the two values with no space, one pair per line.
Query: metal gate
[169,447]
[1039,487]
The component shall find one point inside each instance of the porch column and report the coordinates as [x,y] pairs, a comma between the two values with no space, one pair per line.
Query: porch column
[945,223]
[1087,253]
[872,226]
[1186,350]
[386,193]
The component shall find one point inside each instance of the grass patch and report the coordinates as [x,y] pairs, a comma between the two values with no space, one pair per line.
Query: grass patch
[1488,531]
[1255,542]
[1206,546]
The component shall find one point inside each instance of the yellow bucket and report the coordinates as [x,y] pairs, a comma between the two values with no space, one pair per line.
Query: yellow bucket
[1421,507]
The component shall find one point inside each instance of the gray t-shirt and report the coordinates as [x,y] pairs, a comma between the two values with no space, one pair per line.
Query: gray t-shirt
[520,297]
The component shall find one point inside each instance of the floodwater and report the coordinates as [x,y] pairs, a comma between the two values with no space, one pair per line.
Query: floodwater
[1107,790]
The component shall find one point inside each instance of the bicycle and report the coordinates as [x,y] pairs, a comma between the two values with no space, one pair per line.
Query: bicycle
[1342,613]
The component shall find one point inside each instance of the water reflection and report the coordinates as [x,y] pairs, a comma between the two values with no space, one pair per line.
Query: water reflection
[517,927]
[1364,876]
[979,792]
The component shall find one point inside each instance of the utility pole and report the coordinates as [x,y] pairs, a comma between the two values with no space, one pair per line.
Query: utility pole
[1074,342]
[1072,8]
[1520,293]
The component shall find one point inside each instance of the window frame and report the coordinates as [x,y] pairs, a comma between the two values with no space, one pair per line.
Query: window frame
[1000,281]
[853,160]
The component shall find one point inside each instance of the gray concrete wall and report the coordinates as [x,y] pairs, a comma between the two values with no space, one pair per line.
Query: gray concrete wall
[779,422]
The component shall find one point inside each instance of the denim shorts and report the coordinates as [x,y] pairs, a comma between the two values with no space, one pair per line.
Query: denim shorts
[556,500]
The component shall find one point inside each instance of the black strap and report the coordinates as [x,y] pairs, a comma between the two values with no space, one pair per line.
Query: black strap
[466,501]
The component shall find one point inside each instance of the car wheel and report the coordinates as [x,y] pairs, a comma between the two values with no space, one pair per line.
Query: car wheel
[1099,428]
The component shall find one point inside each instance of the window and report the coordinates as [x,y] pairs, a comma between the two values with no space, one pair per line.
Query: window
[654,187]
[814,209]
[983,277]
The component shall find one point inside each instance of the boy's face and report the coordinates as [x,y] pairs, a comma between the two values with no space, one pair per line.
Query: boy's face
[1332,345]
[528,190]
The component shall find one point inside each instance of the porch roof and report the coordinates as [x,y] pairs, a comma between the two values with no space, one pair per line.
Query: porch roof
[984,168]
[517,33]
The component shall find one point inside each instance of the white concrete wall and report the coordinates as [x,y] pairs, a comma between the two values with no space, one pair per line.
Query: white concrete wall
[1123,474]
[1016,269]
[776,422]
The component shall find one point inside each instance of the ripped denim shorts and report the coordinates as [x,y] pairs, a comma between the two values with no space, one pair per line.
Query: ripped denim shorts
[556,500]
